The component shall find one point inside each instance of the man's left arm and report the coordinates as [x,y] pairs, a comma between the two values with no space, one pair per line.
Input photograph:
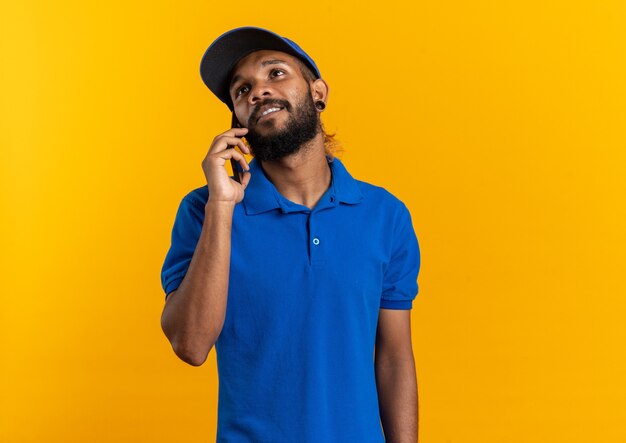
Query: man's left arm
[396,379]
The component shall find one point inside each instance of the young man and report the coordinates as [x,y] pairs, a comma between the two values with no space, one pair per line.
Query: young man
[297,273]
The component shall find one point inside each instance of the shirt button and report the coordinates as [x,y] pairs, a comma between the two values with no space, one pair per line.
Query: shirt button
[316,241]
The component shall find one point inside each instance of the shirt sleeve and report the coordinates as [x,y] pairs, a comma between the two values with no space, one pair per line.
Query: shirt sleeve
[400,279]
[185,235]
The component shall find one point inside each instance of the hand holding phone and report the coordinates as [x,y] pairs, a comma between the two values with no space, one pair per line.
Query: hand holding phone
[221,186]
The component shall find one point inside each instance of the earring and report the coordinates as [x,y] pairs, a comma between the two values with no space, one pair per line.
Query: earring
[320,105]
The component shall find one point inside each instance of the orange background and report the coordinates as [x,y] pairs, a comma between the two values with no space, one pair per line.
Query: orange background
[499,124]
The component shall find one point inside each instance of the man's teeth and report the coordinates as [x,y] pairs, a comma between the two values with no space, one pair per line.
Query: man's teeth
[271,110]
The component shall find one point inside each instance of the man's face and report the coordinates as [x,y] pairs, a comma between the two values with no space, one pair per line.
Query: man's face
[273,100]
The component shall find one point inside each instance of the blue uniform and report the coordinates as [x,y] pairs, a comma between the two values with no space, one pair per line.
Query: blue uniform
[295,355]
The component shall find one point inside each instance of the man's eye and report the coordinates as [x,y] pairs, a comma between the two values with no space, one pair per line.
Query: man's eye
[274,71]
[240,91]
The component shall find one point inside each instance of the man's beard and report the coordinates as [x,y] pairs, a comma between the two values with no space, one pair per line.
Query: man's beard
[301,127]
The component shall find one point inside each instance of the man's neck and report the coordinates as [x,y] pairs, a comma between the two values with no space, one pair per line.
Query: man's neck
[302,177]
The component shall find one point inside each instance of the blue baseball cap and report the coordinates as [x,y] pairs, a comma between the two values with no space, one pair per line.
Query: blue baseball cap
[221,57]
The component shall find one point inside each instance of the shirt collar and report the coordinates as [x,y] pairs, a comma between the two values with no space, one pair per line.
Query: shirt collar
[261,195]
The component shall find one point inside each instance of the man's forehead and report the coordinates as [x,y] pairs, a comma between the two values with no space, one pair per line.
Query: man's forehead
[263,54]
[260,59]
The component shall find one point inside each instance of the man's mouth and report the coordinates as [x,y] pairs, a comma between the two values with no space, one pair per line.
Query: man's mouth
[270,111]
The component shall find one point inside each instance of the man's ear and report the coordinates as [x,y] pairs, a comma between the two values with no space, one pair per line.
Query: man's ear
[320,89]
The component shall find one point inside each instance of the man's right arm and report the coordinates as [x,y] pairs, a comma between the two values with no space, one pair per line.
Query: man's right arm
[194,313]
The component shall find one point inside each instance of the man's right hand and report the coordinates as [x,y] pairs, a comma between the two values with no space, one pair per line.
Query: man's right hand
[221,186]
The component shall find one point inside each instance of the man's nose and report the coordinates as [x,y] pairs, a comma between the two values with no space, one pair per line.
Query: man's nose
[260,91]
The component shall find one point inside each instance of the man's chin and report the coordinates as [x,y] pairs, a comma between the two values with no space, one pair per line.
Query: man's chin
[267,126]
[267,133]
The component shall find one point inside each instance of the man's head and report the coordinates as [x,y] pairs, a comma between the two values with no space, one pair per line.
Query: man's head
[223,54]
[253,71]
[274,97]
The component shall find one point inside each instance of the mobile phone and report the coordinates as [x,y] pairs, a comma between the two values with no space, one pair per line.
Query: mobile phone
[234,123]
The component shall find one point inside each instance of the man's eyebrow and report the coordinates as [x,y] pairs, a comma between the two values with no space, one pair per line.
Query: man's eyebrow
[264,63]
[272,62]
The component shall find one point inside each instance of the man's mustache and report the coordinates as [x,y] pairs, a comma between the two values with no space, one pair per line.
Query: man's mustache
[257,109]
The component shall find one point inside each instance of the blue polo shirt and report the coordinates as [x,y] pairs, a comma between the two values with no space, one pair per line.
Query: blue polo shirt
[295,356]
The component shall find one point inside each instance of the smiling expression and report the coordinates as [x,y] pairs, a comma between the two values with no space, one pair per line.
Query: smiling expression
[264,88]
